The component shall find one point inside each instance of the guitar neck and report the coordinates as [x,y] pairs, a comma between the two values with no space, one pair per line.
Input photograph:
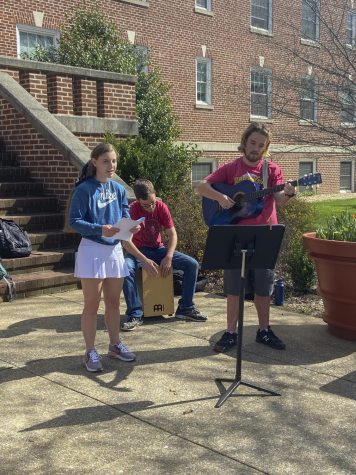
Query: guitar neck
[268,191]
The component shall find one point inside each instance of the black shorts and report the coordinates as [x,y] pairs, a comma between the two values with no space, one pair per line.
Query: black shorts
[259,281]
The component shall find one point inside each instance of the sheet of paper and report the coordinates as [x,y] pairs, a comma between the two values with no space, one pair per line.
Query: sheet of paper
[125,224]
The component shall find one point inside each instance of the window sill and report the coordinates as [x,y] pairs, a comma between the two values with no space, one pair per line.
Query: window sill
[203,11]
[313,43]
[140,3]
[261,31]
[257,118]
[348,125]
[308,123]
[204,106]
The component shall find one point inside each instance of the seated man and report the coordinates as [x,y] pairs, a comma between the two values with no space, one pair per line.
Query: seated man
[149,241]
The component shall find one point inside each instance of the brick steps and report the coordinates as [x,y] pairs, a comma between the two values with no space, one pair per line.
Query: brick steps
[38,283]
[50,266]
[40,261]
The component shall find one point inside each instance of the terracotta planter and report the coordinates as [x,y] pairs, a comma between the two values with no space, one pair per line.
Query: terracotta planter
[335,263]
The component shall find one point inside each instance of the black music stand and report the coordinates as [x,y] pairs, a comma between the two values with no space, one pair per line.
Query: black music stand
[241,247]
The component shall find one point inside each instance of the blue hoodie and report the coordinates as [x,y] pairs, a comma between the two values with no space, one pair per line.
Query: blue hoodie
[94,204]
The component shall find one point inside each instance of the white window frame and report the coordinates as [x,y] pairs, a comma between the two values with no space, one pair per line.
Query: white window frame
[269,19]
[267,73]
[313,100]
[35,31]
[351,15]
[351,92]
[352,177]
[315,19]
[204,160]
[202,8]
[208,101]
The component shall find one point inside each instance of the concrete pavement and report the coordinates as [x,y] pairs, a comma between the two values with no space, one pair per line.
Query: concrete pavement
[157,415]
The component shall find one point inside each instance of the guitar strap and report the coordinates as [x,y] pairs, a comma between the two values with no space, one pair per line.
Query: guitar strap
[265,173]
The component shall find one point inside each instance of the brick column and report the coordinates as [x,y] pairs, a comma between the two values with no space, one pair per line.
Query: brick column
[116,100]
[60,94]
[84,97]
[36,85]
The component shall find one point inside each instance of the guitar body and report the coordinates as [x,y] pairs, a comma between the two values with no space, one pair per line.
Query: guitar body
[248,197]
[215,215]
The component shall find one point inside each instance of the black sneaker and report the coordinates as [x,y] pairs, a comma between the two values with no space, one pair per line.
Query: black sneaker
[191,314]
[227,341]
[267,337]
[131,324]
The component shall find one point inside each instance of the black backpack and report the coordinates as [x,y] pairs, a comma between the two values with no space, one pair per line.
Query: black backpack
[14,241]
[178,281]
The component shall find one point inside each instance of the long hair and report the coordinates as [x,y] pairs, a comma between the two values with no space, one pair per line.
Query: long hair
[259,128]
[89,170]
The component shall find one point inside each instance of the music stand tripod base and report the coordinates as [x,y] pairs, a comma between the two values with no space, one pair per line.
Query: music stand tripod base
[245,247]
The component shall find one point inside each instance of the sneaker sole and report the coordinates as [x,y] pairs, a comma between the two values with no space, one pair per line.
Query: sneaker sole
[271,346]
[115,356]
[91,370]
[190,319]
[129,329]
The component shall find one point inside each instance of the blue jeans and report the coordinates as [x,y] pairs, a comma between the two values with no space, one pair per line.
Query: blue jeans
[180,261]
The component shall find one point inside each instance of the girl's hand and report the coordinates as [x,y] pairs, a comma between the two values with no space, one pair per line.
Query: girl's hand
[135,229]
[109,231]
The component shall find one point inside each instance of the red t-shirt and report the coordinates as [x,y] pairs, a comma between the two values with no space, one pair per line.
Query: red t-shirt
[150,232]
[237,171]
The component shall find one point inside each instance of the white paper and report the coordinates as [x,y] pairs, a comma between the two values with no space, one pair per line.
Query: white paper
[125,224]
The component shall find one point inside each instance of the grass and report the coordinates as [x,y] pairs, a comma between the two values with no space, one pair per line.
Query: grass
[328,208]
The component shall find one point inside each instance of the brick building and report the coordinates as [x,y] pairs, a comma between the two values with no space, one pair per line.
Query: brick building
[228,63]
[219,57]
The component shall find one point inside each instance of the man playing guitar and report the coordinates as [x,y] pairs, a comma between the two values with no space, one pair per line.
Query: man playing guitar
[254,146]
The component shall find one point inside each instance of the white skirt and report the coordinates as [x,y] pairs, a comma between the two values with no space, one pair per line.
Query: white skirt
[99,261]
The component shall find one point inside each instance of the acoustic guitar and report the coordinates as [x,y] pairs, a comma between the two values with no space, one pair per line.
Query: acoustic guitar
[248,197]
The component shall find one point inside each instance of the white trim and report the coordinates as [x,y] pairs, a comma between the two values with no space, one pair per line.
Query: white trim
[208,101]
[202,160]
[200,9]
[263,31]
[140,3]
[350,160]
[20,28]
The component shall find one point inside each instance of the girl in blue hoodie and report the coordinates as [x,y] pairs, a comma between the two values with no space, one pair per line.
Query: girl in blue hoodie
[97,203]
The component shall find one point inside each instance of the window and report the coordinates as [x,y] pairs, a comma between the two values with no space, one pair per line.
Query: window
[310,20]
[142,57]
[204,4]
[345,176]
[29,37]
[203,81]
[348,105]
[202,169]
[304,169]
[351,28]
[261,14]
[308,99]
[261,93]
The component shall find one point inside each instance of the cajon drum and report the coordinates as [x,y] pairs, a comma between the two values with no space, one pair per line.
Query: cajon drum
[156,293]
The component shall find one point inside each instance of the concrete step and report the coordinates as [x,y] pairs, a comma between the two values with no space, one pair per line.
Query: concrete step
[28,204]
[26,188]
[53,240]
[40,261]
[38,283]
[8,173]
[39,221]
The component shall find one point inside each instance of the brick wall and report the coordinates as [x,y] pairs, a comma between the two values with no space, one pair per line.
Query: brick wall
[174,34]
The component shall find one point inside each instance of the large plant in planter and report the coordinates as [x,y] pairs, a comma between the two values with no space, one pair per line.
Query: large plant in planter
[333,250]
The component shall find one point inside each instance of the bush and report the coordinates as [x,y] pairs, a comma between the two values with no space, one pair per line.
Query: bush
[167,165]
[185,206]
[294,263]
